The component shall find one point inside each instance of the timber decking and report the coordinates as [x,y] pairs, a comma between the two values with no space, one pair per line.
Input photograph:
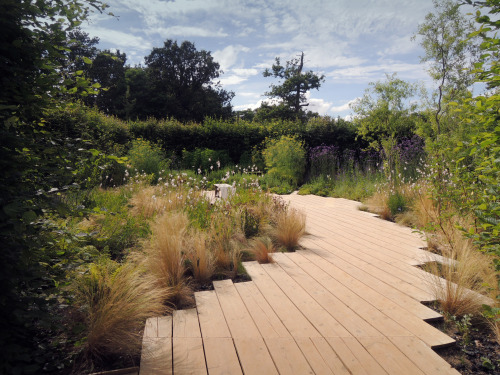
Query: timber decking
[349,303]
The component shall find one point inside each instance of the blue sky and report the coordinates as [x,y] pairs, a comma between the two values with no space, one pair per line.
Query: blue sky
[351,42]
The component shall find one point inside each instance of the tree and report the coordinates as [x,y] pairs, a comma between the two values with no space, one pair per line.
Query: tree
[108,70]
[386,110]
[450,53]
[33,160]
[292,91]
[181,83]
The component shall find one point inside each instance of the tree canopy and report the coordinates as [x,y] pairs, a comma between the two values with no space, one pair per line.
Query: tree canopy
[450,52]
[386,110]
[294,84]
[181,84]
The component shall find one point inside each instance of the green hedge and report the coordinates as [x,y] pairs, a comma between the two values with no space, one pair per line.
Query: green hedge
[236,137]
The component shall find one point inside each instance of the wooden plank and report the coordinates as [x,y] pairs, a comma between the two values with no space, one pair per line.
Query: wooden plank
[289,314]
[188,355]
[402,299]
[389,356]
[165,326]
[151,327]
[238,318]
[430,335]
[156,356]
[185,323]
[312,310]
[366,360]
[424,357]
[221,356]
[212,321]
[263,315]
[312,355]
[387,273]
[350,361]
[287,356]
[356,325]
[254,356]
[329,356]
[369,313]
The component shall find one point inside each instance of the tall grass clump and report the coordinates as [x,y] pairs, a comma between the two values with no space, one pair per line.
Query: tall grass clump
[290,227]
[114,301]
[201,259]
[261,248]
[165,255]
[465,277]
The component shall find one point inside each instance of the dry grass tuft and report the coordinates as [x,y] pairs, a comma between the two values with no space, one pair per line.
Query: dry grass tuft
[164,255]
[262,248]
[461,284]
[377,204]
[290,228]
[407,218]
[424,207]
[115,301]
[200,257]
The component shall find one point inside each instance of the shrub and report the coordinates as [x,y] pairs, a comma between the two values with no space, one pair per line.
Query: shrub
[148,158]
[285,160]
[205,159]
[397,203]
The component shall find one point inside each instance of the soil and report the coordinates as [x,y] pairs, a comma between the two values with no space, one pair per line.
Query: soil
[477,354]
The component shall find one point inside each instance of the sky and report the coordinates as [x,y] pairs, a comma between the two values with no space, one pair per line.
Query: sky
[351,42]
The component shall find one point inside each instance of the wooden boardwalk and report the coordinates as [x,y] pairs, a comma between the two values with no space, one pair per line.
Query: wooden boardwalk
[350,303]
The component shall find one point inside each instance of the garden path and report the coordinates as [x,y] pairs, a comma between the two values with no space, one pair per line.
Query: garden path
[348,303]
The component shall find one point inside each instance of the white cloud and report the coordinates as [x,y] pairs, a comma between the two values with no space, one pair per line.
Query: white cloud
[228,56]
[370,73]
[119,39]
[232,80]
[186,32]
[343,107]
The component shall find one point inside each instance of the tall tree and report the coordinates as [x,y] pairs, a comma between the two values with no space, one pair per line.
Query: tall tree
[295,83]
[444,37]
[386,110]
[182,83]
[108,70]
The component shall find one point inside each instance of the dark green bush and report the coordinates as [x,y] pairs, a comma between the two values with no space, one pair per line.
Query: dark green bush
[397,203]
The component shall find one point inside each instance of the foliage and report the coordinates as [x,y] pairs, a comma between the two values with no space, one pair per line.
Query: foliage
[38,165]
[285,160]
[147,158]
[180,81]
[397,203]
[386,110]
[292,90]
[451,55]
[108,70]
[204,159]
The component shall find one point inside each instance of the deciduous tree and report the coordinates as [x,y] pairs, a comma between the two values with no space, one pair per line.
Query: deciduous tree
[449,53]
[182,83]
